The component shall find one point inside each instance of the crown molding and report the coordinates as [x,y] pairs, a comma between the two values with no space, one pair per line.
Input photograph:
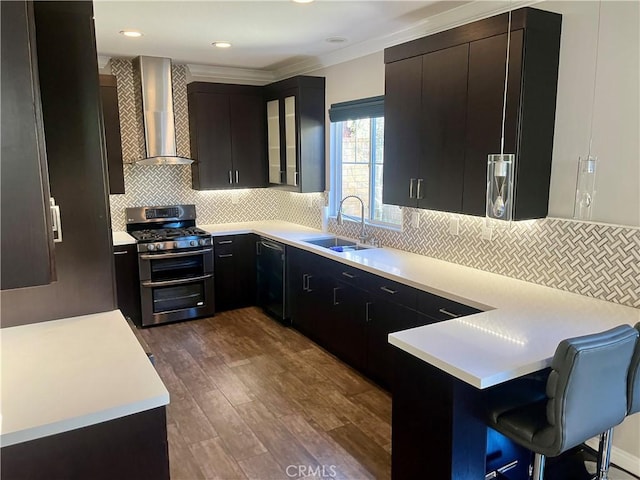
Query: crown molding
[463,14]
[245,76]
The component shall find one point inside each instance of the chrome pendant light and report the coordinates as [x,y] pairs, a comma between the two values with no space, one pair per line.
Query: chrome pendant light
[587,166]
[500,166]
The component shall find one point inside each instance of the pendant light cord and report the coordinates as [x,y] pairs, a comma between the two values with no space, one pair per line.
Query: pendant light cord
[595,74]
[506,82]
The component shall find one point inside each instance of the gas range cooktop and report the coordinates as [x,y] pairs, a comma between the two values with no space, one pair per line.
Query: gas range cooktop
[165,228]
[164,234]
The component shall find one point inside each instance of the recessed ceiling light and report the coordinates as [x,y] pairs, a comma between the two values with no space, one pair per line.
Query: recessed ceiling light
[335,40]
[303,1]
[130,33]
[221,44]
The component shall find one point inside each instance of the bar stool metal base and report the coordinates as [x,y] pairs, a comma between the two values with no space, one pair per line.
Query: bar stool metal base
[604,454]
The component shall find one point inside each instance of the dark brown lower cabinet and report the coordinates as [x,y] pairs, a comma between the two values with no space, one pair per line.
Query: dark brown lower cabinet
[235,271]
[128,281]
[128,448]
[351,312]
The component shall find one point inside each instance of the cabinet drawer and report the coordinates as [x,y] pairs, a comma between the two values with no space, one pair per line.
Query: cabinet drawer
[440,308]
[391,291]
[352,276]
[224,245]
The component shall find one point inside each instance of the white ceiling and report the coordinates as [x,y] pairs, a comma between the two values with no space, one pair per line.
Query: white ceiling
[266,35]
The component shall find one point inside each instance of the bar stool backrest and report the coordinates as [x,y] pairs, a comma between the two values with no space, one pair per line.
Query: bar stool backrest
[587,387]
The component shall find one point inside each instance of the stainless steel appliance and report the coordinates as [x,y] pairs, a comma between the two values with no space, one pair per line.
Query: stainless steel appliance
[271,277]
[175,261]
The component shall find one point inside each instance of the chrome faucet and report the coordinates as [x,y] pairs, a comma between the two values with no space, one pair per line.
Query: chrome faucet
[363,232]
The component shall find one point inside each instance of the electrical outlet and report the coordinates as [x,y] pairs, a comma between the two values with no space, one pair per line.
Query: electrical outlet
[454,226]
[235,198]
[487,233]
[415,220]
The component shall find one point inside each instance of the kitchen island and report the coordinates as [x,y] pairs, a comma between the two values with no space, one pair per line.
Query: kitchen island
[80,399]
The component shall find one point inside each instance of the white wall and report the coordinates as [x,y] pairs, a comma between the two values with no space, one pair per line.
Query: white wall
[616,113]
[616,125]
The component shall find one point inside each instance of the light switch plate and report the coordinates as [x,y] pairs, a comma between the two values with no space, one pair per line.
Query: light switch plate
[487,233]
[235,198]
[454,226]
[415,220]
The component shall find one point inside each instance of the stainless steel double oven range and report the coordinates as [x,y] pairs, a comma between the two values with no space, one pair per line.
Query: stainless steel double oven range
[175,261]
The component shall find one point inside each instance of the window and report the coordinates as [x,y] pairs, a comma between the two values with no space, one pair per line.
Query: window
[357,160]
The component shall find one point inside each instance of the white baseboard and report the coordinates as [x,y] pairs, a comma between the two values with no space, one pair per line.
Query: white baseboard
[619,457]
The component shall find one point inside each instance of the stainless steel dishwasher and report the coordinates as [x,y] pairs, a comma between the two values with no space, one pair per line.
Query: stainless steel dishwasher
[271,277]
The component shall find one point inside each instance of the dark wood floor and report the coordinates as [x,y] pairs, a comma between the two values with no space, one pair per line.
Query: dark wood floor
[251,398]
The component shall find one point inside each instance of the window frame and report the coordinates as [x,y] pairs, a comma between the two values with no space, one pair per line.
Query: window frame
[335,141]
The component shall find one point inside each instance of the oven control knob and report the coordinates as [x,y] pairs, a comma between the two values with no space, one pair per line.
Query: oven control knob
[151,247]
[202,241]
[159,246]
[193,243]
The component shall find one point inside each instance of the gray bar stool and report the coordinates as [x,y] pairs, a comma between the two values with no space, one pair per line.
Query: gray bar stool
[586,394]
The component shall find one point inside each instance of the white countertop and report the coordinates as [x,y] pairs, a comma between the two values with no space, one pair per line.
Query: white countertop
[516,334]
[66,374]
[122,238]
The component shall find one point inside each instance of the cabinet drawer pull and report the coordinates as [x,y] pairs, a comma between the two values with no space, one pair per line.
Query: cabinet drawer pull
[225,255]
[411,182]
[348,275]
[366,311]
[420,196]
[237,177]
[230,177]
[120,253]
[389,290]
[225,242]
[447,312]
[309,277]
[335,296]
[304,282]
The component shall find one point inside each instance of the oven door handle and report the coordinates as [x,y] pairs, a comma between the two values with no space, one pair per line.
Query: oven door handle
[156,256]
[167,283]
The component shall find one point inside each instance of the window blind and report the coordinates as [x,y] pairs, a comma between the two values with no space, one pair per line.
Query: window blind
[355,109]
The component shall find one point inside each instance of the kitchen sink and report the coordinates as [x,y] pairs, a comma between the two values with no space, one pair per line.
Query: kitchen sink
[338,244]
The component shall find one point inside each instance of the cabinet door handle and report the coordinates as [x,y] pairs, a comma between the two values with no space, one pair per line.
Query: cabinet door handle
[335,296]
[295,179]
[411,182]
[230,177]
[309,277]
[225,255]
[388,290]
[304,282]
[447,312]
[348,275]
[420,196]
[120,253]
[225,242]
[237,177]
[366,311]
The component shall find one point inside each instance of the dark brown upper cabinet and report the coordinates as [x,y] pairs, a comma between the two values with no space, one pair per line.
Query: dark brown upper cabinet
[27,236]
[295,134]
[443,113]
[113,139]
[227,130]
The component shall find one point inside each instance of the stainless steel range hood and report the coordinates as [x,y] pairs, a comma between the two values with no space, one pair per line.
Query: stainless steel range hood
[154,85]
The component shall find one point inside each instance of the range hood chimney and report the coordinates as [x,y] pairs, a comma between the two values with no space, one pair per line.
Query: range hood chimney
[155,89]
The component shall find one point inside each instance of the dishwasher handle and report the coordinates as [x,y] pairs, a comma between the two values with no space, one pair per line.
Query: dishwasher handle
[271,245]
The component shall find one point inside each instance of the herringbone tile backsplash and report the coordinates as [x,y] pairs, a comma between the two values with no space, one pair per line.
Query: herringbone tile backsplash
[595,260]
